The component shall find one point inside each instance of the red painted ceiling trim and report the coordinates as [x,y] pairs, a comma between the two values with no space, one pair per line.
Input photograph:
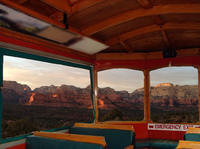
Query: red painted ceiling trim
[43,48]
[148,64]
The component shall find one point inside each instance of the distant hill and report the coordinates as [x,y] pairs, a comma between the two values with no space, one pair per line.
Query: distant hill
[164,94]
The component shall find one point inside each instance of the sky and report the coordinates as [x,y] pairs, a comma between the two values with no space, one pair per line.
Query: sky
[36,74]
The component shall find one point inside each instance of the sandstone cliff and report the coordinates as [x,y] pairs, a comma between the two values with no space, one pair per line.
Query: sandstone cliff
[165,94]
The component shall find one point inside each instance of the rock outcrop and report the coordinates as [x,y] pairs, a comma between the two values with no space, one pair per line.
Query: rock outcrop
[165,94]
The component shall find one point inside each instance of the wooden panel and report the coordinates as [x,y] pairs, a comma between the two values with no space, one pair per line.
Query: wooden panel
[145,3]
[166,2]
[153,28]
[59,4]
[181,18]
[103,10]
[84,4]
[39,7]
[115,48]
[147,43]
[184,38]
[120,29]
[133,14]
[120,56]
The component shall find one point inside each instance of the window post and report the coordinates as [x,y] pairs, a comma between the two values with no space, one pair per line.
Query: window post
[199,93]
[94,93]
[1,99]
[146,95]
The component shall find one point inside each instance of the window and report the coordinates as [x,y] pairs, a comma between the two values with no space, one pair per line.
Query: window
[174,95]
[121,95]
[41,96]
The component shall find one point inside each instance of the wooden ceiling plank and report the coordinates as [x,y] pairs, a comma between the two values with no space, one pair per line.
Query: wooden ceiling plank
[134,14]
[133,33]
[21,1]
[145,3]
[126,46]
[61,5]
[152,28]
[83,4]
[165,38]
[159,21]
[57,16]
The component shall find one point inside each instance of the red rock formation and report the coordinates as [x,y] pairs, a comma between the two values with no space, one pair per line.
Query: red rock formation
[69,96]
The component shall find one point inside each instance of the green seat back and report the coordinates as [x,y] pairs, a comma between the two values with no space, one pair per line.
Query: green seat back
[156,143]
[192,137]
[115,139]
[164,144]
[35,142]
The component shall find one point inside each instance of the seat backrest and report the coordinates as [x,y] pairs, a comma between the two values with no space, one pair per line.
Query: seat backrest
[46,140]
[192,134]
[116,137]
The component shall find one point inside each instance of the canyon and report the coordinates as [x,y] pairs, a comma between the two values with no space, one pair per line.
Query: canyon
[164,94]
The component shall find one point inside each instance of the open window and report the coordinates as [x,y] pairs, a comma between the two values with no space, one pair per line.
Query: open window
[174,95]
[121,95]
[41,96]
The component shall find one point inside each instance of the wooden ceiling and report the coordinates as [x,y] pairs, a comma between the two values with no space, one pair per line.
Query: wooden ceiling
[127,26]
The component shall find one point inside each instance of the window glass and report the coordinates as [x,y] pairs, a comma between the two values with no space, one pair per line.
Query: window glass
[121,95]
[174,95]
[41,96]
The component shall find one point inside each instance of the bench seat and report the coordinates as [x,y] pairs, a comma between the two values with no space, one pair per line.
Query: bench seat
[115,138]
[47,140]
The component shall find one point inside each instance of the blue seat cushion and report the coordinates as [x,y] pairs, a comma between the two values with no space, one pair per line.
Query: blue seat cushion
[35,142]
[115,139]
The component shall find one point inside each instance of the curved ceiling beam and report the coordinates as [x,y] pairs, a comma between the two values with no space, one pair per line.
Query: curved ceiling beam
[152,28]
[138,13]
[145,3]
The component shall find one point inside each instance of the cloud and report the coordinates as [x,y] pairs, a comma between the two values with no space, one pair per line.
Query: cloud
[121,79]
[37,74]
[175,75]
